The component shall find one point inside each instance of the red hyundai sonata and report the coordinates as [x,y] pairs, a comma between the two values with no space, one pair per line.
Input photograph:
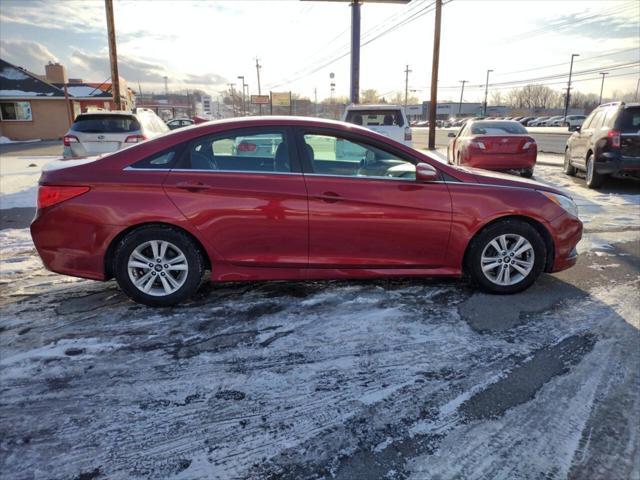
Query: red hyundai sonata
[285,198]
[494,145]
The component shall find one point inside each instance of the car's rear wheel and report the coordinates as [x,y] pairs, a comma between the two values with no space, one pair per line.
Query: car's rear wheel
[158,266]
[567,168]
[527,172]
[593,178]
[506,257]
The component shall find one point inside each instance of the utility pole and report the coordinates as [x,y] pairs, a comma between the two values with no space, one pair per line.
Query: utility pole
[113,55]
[461,95]
[258,67]
[566,100]
[233,99]
[637,89]
[602,86]
[355,52]
[241,77]
[433,105]
[486,91]
[315,101]
[406,85]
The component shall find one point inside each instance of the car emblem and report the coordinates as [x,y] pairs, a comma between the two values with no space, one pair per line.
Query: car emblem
[505,140]
[100,137]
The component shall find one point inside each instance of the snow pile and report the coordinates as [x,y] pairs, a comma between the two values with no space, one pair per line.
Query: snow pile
[19,180]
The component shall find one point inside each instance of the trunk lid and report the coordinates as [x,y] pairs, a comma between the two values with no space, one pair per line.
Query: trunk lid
[503,143]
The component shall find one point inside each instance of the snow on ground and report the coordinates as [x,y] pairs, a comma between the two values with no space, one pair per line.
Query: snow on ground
[378,379]
[19,180]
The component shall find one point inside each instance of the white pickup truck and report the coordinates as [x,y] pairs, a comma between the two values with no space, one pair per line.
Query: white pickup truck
[389,120]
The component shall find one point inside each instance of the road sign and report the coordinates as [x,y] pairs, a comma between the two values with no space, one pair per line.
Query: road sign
[260,99]
[282,99]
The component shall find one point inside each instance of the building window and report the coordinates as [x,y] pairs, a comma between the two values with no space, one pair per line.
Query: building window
[16,111]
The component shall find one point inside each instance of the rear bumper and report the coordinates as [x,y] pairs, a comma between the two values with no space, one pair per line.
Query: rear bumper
[609,163]
[79,253]
[566,231]
[502,161]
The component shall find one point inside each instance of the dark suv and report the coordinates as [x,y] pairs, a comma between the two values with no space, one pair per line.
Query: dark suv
[607,143]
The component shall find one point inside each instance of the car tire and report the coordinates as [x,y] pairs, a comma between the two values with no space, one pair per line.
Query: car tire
[593,178]
[171,277]
[521,270]
[527,173]
[567,168]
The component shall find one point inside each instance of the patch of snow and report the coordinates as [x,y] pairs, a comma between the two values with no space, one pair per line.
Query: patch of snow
[13,74]
[8,140]
[22,94]
[19,181]
[83,91]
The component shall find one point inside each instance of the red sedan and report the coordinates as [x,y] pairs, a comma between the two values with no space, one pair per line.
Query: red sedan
[323,200]
[494,145]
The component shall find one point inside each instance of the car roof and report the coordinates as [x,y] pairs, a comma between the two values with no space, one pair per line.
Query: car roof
[376,106]
[107,112]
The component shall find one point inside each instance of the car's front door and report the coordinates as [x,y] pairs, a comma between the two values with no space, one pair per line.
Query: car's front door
[366,210]
[251,208]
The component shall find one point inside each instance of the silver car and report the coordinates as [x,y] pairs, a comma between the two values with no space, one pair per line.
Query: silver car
[98,132]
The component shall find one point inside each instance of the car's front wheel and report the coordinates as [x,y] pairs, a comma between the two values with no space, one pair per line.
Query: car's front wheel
[568,169]
[158,266]
[506,257]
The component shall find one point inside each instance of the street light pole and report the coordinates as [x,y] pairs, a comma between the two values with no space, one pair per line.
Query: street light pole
[233,99]
[258,67]
[406,85]
[486,92]
[566,100]
[461,94]
[433,104]
[602,86]
[355,52]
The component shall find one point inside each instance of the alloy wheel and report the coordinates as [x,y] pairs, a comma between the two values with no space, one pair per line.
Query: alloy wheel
[157,268]
[507,259]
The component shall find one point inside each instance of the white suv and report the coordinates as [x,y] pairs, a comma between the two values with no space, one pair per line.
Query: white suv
[106,131]
[389,120]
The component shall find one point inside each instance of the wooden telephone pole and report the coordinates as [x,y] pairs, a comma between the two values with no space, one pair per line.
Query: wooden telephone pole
[113,55]
[433,104]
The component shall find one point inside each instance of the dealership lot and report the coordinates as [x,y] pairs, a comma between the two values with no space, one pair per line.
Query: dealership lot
[377,379]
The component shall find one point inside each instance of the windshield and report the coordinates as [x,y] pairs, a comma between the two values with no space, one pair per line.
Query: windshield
[374,118]
[630,122]
[497,128]
[105,124]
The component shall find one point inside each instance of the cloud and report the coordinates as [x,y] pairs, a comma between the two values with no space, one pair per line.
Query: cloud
[29,54]
[72,15]
[205,79]
[132,69]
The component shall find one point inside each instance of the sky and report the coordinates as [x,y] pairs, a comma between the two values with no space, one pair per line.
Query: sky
[208,44]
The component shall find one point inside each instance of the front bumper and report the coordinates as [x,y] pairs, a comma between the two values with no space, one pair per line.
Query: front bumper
[566,232]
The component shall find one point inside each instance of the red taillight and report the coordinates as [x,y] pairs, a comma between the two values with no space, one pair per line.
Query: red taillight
[247,147]
[477,144]
[529,143]
[49,195]
[407,134]
[614,138]
[67,140]
[134,138]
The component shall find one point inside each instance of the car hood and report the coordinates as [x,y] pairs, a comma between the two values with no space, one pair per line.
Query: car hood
[487,177]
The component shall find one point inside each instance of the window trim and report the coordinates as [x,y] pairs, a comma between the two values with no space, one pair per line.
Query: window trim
[301,131]
[16,120]
[182,165]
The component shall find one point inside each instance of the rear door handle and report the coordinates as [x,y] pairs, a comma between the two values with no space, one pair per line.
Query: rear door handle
[329,197]
[193,186]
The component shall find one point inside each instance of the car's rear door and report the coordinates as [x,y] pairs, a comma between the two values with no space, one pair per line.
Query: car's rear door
[252,210]
[366,210]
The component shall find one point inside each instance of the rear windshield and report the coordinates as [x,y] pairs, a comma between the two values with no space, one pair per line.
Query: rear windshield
[105,124]
[374,118]
[630,121]
[497,128]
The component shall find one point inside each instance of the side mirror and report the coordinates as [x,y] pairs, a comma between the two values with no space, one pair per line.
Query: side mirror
[577,128]
[451,134]
[426,173]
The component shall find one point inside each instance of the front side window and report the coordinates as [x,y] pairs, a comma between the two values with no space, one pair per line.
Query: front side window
[17,111]
[246,151]
[331,155]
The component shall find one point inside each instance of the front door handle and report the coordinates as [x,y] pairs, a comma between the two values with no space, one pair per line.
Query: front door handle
[193,186]
[329,197]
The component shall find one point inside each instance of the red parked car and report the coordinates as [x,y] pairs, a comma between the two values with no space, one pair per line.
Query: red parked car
[328,200]
[494,145]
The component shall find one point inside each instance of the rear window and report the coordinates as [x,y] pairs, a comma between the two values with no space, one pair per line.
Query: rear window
[630,121]
[497,128]
[105,124]
[375,118]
